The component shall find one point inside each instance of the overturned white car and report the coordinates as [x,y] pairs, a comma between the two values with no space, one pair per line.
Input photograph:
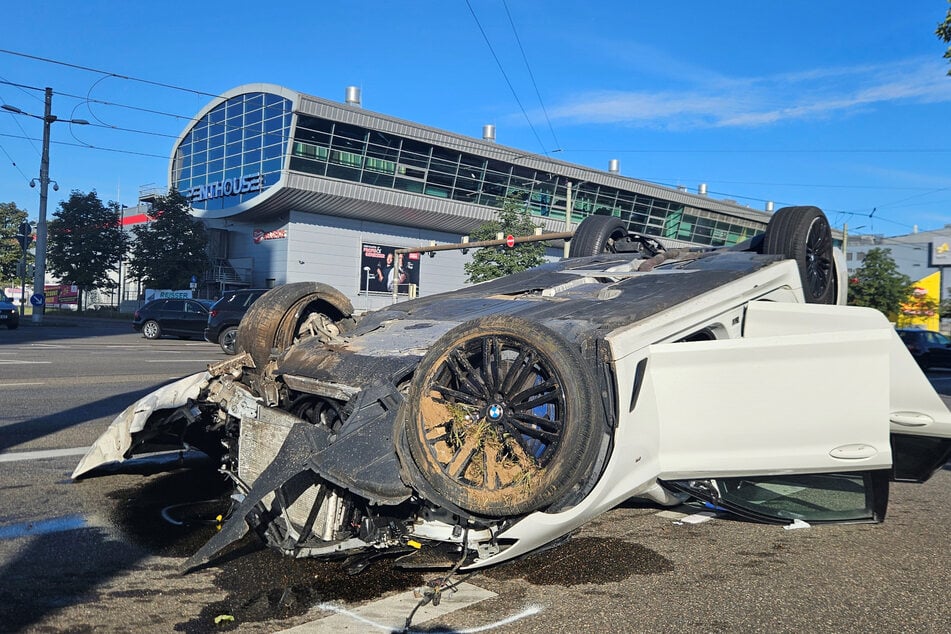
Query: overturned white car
[497,418]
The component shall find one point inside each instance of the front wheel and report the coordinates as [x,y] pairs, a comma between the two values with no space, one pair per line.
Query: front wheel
[228,340]
[151,329]
[501,418]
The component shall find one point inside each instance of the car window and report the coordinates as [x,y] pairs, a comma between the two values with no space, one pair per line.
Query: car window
[158,304]
[194,307]
[939,339]
[176,305]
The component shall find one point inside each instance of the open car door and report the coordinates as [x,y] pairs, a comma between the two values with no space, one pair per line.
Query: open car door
[805,417]
[920,422]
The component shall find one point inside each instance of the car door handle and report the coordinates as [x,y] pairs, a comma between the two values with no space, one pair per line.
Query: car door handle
[911,419]
[853,452]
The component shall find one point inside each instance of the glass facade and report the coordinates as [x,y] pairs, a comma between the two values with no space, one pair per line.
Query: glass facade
[233,152]
[352,153]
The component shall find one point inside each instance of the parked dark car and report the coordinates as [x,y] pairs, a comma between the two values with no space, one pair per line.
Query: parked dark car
[929,348]
[185,318]
[226,314]
[9,316]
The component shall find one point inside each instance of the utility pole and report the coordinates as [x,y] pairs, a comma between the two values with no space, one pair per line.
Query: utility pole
[39,275]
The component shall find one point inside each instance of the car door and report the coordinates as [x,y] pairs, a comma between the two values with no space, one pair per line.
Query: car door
[195,318]
[806,416]
[938,349]
[172,316]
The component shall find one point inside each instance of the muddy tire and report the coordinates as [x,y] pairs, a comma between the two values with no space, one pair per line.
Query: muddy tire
[596,234]
[227,340]
[501,419]
[803,234]
[273,322]
[151,329]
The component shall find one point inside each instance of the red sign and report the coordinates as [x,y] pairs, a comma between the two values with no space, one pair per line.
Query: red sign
[510,241]
[258,235]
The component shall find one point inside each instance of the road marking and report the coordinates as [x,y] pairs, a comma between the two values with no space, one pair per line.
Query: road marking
[19,384]
[16,456]
[20,362]
[389,615]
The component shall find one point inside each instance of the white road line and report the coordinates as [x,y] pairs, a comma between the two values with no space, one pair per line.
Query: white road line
[39,455]
[20,362]
[19,384]
[389,615]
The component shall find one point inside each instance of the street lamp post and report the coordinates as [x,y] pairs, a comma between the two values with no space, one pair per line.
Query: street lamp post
[39,276]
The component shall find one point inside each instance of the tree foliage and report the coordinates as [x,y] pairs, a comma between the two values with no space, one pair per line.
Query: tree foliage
[85,242]
[492,262]
[944,33]
[172,247]
[10,218]
[878,284]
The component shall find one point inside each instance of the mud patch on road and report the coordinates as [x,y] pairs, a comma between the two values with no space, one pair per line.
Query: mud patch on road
[263,585]
[139,510]
[585,560]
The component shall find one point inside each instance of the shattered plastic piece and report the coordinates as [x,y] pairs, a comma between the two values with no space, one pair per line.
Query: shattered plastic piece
[221,618]
[797,523]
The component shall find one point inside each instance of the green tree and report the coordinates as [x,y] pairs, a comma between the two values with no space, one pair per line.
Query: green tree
[85,242]
[10,218]
[878,284]
[172,247]
[492,262]
[944,33]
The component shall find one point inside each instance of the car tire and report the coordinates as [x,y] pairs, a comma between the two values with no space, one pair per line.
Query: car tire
[272,323]
[507,436]
[151,329]
[595,235]
[228,340]
[803,234]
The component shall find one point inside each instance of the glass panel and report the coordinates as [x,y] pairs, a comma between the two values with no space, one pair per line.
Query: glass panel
[835,497]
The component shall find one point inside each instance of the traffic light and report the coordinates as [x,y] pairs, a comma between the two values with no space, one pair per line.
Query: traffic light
[25,235]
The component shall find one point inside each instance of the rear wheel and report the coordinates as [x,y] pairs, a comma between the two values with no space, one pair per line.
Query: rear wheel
[288,313]
[151,329]
[596,234]
[500,418]
[227,340]
[803,234]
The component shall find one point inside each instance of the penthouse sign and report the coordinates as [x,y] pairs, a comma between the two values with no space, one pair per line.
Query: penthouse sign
[226,187]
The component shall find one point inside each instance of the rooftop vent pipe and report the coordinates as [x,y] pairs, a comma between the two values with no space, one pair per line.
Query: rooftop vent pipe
[769,206]
[702,189]
[614,166]
[353,96]
[488,132]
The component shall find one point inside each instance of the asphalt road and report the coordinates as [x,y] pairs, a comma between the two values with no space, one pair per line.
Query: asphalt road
[96,555]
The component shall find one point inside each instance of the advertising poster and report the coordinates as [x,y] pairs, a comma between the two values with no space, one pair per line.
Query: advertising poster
[382,269]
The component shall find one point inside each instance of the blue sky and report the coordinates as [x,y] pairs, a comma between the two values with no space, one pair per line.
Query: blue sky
[844,105]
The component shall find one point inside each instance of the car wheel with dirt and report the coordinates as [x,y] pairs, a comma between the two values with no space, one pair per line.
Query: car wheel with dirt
[500,418]
[289,313]
[803,234]
[151,329]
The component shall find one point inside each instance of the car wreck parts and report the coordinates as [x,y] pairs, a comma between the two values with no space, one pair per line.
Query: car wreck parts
[493,420]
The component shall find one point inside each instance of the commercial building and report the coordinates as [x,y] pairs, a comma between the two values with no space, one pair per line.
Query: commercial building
[295,187]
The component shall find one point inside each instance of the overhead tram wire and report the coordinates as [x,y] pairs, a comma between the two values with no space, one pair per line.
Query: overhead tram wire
[108,73]
[85,145]
[506,77]
[531,74]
